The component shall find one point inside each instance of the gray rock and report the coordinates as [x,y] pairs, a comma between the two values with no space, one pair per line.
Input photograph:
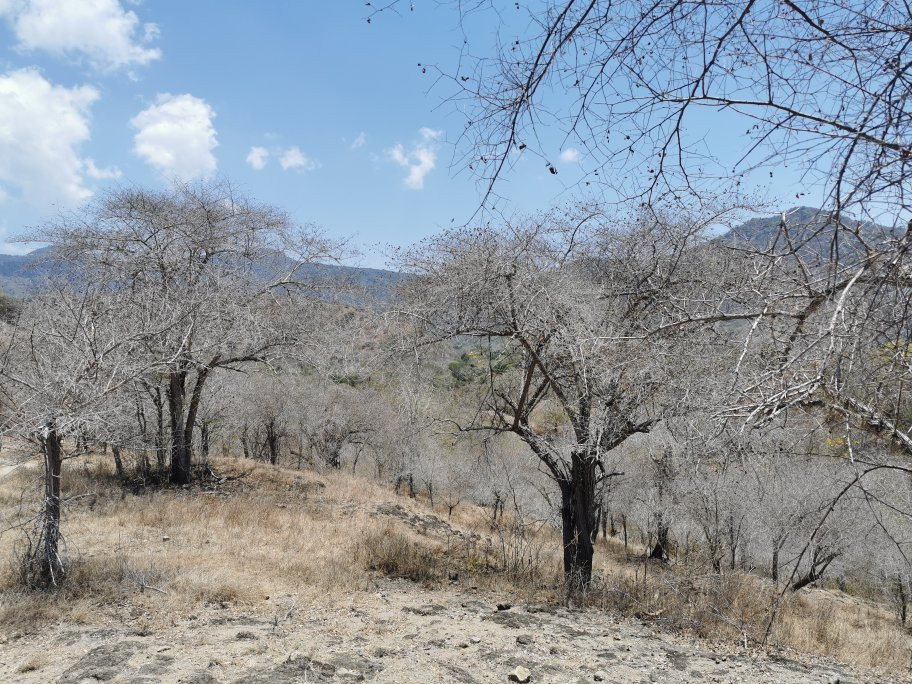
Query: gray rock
[510,619]
[101,663]
[520,675]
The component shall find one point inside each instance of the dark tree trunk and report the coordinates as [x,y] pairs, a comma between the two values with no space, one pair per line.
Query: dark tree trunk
[578,520]
[118,462]
[245,442]
[734,534]
[180,447]
[183,421]
[47,565]
[660,550]
[159,429]
[663,476]
[272,441]
[820,561]
[902,600]
[774,571]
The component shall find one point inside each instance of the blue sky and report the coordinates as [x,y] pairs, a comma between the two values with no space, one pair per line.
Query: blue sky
[302,104]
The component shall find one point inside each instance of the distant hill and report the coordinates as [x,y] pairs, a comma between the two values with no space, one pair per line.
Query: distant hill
[22,275]
[811,231]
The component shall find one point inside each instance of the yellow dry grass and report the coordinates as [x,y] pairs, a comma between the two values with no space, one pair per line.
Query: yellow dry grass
[273,532]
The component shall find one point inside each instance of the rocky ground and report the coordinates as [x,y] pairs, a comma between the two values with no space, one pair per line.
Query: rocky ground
[395,632]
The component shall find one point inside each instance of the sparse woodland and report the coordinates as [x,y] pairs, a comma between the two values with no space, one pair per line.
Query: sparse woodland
[640,410]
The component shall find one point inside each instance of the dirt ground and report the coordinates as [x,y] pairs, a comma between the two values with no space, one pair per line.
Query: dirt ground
[395,631]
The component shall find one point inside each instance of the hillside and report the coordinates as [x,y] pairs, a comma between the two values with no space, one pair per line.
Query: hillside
[268,574]
[21,275]
[810,230]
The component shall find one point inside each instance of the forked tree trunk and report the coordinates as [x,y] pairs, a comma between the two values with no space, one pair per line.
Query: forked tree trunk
[183,420]
[820,561]
[578,521]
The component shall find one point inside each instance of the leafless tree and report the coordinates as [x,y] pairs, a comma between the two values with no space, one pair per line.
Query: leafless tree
[214,272]
[66,360]
[560,306]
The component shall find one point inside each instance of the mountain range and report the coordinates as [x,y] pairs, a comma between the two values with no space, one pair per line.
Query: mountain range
[21,275]
[811,232]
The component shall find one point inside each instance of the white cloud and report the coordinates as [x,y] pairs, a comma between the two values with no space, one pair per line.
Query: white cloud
[420,160]
[98,173]
[293,158]
[359,142]
[41,129]
[101,31]
[570,155]
[176,136]
[257,157]
[429,134]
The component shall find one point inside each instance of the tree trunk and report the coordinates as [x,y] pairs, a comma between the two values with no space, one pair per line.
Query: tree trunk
[183,421]
[734,534]
[663,476]
[902,600]
[820,561]
[272,441]
[578,521]
[118,462]
[159,429]
[774,571]
[245,442]
[660,550]
[180,447]
[48,565]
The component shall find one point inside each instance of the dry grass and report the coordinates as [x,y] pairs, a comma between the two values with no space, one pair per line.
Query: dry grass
[274,532]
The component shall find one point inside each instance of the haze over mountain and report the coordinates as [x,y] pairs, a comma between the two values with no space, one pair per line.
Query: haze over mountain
[22,275]
[809,228]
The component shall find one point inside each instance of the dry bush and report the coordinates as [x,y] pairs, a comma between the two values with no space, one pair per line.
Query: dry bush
[834,624]
[395,553]
[737,606]
[32,662]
